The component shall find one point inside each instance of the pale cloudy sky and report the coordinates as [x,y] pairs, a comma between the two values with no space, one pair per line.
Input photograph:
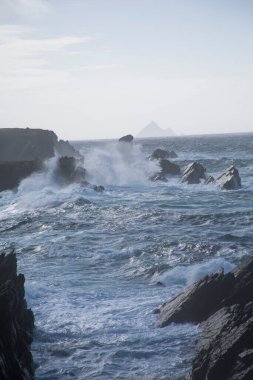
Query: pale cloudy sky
[103,68]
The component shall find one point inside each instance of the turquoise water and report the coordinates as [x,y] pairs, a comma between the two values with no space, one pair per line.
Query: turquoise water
[93,262]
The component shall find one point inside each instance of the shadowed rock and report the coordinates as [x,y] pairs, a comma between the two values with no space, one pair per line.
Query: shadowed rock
[16,323]
[193,173]
[69,170]
[198,301]
[13,172]
[225,302]
[127,139]
[230,179]
[64,148]
[161,154]
[225,347]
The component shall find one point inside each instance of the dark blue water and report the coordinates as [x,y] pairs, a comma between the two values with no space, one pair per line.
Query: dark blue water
[92,261]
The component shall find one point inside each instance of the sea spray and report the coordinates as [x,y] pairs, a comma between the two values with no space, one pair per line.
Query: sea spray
[119,164]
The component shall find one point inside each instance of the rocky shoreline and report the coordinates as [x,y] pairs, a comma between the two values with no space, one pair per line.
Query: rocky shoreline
[223,305]
[16,323]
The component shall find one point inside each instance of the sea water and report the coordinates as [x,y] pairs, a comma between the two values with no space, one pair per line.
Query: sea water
[98,264]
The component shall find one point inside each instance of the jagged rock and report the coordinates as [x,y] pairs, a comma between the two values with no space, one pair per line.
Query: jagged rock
[225,347]
[127,139]
[198,301]
[161,154]
[16,323]
[12,172]
[169,167]
[193,173]
[230,179]
[64,148]
[69,170]
[158,177]
[209,294]
[225,302]
[209,180]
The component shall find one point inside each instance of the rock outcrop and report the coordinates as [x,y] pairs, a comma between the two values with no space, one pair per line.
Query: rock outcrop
[16,323]
[64,148]
[13,172]
[69,170]
[224,305]
[230,179]
[167,168]
[126,139]
[18,144]
[225,347]
[162,154]
[193,173]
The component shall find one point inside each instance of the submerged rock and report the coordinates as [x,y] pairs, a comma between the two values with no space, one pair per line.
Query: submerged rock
[127,138]
[162,153]
[193,173]
[230,179]
[16,323]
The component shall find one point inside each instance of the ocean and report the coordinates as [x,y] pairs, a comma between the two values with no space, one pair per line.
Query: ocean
[98,264]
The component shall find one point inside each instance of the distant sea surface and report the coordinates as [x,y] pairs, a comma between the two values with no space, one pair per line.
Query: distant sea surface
[94,262]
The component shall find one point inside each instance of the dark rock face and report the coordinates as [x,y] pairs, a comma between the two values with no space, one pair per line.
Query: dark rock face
[12,172]
[193,173]
[230,179]
[225,348]
[69,170]
[17,144]
[198,301]
[161,154]
[127,139]
[169,167]
[225,303]
[16,323]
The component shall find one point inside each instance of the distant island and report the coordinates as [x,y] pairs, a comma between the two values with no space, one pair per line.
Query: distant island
[153,130]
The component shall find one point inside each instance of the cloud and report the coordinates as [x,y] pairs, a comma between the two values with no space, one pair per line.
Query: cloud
[24,7]
[30,60]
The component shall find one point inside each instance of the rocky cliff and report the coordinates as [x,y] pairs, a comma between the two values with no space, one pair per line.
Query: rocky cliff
[16,323]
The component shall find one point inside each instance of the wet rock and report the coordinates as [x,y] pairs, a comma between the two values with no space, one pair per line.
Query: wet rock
[193,173]
[13,172]
[225,347]
[224,305]
[69,170]
[230,179]
[158,177]
[98,188]
[209,180]
[16,323]
[169,167]
[198,301]
[127,139]
[162,154]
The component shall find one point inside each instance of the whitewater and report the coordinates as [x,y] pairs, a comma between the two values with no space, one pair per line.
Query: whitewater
[98,264]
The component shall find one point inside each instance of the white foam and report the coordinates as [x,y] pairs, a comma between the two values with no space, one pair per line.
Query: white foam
[119,164]
[187,275]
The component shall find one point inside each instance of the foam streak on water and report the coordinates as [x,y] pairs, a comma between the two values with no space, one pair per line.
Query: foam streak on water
[93,262]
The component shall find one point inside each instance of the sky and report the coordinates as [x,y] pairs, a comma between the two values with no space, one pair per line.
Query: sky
[91,69]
